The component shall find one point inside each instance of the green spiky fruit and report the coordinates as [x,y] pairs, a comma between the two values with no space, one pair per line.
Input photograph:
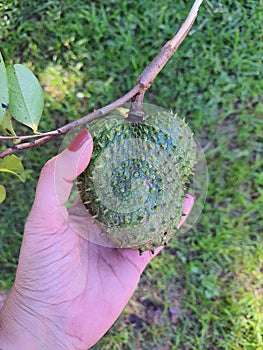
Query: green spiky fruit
[134,186]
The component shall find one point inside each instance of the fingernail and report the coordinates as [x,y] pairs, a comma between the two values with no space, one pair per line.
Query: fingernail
[82,137]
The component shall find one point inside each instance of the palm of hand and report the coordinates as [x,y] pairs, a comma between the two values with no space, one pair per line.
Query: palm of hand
[69,291]
[81,286]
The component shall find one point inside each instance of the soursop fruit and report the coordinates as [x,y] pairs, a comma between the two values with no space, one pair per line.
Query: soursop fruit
[134,186]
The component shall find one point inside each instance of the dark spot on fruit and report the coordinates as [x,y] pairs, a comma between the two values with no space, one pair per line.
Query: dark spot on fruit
[140,251]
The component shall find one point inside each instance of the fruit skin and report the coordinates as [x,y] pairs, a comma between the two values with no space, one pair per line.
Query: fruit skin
[134,186]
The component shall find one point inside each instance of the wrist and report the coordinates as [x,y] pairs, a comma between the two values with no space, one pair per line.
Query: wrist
[21,327]
[17,329]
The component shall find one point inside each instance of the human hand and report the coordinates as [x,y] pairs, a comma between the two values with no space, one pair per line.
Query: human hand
[68,291]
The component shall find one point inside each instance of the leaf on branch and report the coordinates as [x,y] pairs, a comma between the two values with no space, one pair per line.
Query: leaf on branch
[2,193]
[12,164]
[6,125]
[25,95]
[3,89]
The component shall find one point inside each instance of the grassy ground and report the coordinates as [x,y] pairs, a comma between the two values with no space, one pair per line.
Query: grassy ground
[205,290]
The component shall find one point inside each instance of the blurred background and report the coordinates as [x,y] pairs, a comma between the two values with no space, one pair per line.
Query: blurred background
[205,290]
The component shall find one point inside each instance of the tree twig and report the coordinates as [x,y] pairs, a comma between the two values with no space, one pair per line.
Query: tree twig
[136,94]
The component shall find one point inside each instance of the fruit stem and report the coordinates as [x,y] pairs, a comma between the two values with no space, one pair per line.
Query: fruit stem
[136,113]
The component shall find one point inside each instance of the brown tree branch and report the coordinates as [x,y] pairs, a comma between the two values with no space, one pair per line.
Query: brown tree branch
[136,94]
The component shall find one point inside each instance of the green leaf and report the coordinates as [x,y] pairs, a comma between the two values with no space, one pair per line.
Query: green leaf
[26,100]
[2,193]
[12,164]
[3,89]
[6,125]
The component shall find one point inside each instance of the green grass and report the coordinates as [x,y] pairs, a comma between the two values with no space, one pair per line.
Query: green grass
[205,290]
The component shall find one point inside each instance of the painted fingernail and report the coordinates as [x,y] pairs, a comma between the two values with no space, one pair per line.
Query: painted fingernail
[82,137]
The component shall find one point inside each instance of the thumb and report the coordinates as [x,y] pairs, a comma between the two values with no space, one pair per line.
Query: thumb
[56,181]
